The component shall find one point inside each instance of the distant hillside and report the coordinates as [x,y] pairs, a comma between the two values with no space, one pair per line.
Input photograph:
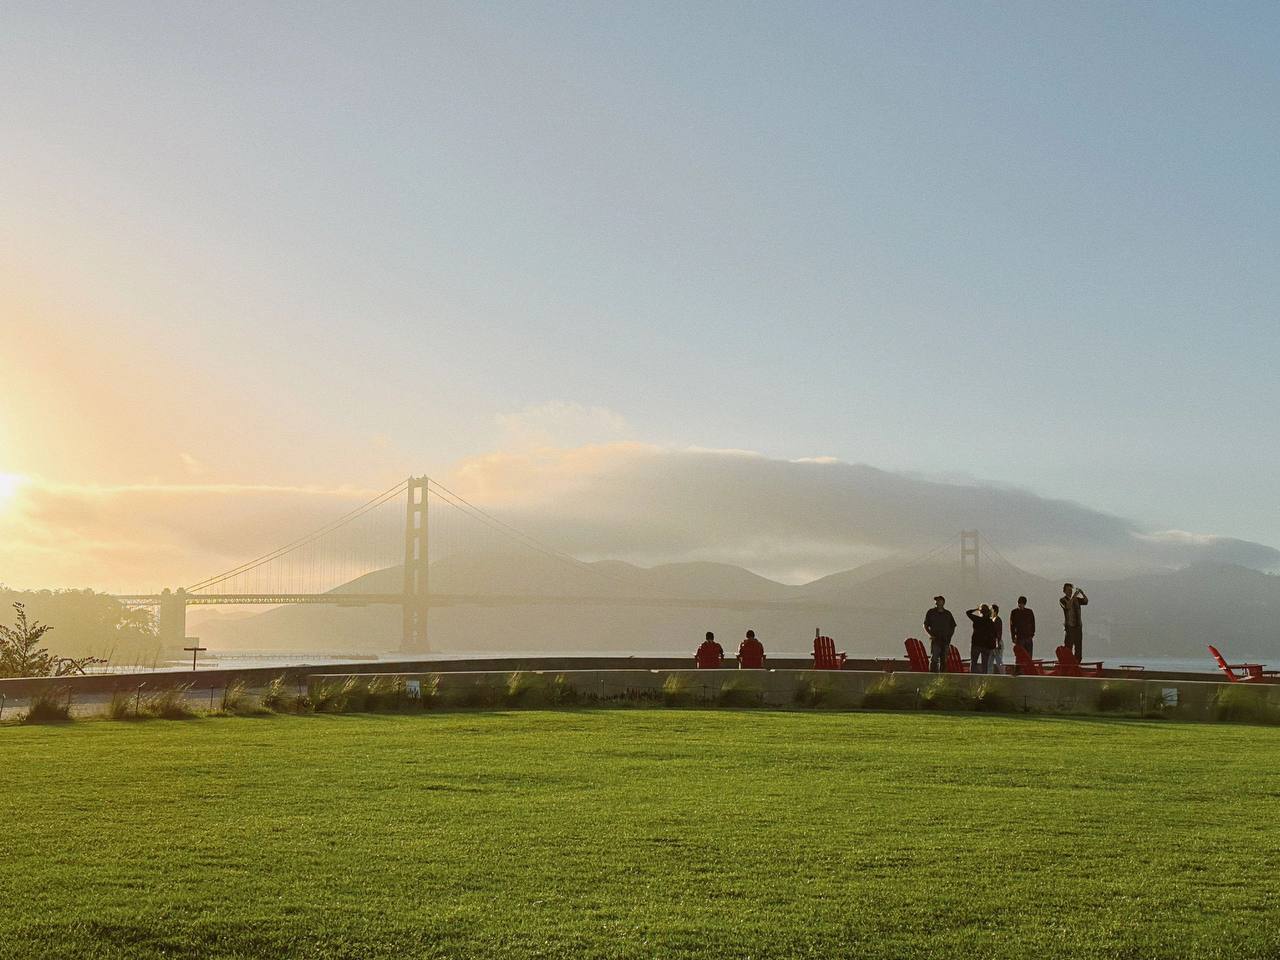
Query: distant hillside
[869,610]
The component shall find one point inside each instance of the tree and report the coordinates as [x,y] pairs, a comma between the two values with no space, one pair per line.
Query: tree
[91,623]
[22,656]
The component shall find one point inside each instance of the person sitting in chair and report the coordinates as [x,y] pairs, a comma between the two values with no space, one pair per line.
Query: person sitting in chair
[710,653]
[751,652]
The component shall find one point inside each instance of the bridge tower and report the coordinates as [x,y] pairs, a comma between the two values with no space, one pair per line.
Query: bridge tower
[415,566]
[969,578]
[173,618]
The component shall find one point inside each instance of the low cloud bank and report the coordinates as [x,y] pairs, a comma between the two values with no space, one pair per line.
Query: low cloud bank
[799,519]
[790,520]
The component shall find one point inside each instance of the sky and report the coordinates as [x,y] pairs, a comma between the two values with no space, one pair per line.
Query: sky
[251,247]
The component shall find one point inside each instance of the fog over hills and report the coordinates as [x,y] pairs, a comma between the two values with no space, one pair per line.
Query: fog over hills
[869,610]
[783,526]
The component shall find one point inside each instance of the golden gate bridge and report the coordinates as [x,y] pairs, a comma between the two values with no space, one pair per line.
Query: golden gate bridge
[383,552]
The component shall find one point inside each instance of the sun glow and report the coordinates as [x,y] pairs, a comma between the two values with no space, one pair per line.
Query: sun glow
[9,484]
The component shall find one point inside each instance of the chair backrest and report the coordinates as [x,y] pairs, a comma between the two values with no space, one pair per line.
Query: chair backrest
[1068,665]
[1025,662]
[916,655]
[1223,665]
[708,656]
[824,654]
[751,655]
[954,663]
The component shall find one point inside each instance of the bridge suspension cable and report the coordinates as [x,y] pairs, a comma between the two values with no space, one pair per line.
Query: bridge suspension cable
[301,542]
[519,536]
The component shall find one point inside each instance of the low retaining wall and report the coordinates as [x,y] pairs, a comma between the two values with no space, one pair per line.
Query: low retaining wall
[106,683]
[1181,699]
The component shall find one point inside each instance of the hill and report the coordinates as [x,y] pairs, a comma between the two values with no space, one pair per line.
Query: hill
[869,610]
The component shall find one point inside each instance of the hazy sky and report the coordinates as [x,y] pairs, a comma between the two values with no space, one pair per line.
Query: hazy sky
[322,244]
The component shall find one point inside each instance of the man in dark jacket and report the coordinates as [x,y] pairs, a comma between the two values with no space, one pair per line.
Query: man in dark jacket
[1022,626]
[941,627]
[984,639]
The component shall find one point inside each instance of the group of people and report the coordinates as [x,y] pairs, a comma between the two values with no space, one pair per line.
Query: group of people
[986,648]
[750,650]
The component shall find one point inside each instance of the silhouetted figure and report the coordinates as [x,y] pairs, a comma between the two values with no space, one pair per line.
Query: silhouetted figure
[1071,601]
[1022,626]
[997,629]
[941,627]
[751,652]
[710,653]
[983,639]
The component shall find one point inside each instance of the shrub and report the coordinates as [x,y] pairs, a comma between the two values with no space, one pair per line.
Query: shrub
[943,694]
[1120,698]
[562,693]
[428,691]
[235,697]
[22,656]
[887,694]
[49,706]
[677,691]
[333,696]
[280,698]
[993,698]
[276,696]
[741,692]
[1238,701]
[526,690]
[818,691]
[166,703]
[122,704]
[472,693]
[1154,706]
[810,693]
[386,693]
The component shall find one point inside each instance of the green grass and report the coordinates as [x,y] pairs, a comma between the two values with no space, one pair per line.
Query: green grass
[619,833]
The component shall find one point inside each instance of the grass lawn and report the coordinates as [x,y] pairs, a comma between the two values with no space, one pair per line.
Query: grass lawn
[632,833]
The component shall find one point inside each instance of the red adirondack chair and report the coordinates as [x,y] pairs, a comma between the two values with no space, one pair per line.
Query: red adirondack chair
[954,663]
[1252,671]
[1069,666]
[708,656]
[751,656]
[825,656]
[916,655]
[1027,666]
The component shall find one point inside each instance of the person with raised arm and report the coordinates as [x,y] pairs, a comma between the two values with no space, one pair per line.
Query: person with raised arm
[997,650]
[1072,599]
[983,639]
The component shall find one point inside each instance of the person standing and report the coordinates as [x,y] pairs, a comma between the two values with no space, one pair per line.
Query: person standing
[941,627]
[983,639]
[1022,626]
[997,649]
[1072,599]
